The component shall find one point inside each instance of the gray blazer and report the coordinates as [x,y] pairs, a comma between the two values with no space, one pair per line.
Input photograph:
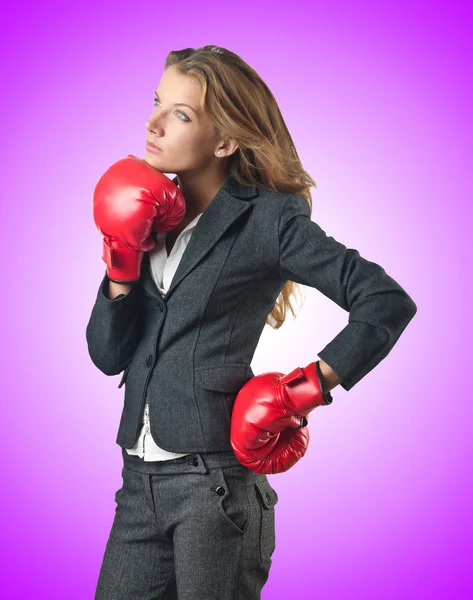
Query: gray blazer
[189,352]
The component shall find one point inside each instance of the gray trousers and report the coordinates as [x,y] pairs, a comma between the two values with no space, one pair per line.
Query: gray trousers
[199,527]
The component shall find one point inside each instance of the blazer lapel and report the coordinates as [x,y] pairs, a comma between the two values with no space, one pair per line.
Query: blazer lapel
[229,203]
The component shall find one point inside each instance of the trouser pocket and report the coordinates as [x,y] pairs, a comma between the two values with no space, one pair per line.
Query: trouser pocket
[267,499]
[231,496]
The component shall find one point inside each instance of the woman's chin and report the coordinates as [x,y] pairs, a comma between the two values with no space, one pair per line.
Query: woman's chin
[153,160]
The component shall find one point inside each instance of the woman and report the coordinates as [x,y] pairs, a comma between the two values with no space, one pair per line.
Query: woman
[183,319]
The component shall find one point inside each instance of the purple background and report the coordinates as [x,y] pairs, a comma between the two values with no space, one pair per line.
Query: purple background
[377,96]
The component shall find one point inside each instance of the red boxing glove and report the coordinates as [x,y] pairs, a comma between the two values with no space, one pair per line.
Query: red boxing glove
[268,430]
[131,200]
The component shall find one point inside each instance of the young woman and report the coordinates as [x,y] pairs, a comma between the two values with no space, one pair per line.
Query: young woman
[196,269]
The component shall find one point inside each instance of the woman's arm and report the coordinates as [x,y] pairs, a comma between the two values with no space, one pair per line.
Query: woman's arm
[329,377]
[117,289]
[114,327]
[379,308]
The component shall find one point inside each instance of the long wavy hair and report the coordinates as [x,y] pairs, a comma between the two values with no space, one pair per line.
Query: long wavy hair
[241,106]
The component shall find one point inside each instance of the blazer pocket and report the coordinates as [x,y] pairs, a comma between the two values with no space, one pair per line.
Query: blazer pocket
[227,377]
[125,375]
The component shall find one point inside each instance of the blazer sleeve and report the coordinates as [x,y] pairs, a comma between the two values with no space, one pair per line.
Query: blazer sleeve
[379,308]
[113,330]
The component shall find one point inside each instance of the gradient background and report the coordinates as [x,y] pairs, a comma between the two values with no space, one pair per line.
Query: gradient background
[377,96]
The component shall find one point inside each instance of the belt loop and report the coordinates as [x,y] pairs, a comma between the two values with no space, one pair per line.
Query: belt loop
[198,461]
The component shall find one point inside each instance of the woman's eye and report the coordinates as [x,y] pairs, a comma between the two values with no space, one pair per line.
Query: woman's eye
[185,119]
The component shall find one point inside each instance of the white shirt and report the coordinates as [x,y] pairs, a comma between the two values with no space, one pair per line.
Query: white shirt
[162,269]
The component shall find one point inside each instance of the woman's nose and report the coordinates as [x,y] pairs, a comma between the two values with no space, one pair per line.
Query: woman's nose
[154,121]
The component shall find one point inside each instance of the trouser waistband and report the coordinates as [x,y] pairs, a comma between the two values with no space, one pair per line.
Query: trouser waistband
[196,462]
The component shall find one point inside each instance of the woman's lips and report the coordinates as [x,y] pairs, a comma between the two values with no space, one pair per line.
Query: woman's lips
[152,148]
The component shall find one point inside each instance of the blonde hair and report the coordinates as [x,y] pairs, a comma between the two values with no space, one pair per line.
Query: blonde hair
[242,107]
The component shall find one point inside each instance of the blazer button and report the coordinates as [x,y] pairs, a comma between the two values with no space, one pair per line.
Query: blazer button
[219,490]
[149,360]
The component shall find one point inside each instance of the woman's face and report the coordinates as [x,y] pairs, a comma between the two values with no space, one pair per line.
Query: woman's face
[185,135]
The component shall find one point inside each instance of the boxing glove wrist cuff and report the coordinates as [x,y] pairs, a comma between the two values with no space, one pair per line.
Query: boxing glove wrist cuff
[302,390]
[123,263]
